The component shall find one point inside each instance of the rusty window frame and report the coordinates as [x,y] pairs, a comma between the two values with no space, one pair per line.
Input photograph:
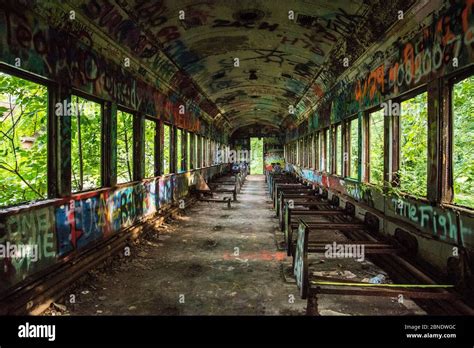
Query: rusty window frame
[52,128]
[348,143]
[396,148]
[447,135]
[366,143]
[338,127]
[101,102]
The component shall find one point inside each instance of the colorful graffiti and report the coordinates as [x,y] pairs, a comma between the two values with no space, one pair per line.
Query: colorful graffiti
[33,229]
[441,223]
[74,224]
[74,56]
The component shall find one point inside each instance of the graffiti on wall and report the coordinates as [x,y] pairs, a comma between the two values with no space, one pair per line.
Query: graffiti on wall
[75,223]
[71,55]
[32,230]
[438,222]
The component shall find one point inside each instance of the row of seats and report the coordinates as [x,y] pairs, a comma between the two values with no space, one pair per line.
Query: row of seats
[318,230]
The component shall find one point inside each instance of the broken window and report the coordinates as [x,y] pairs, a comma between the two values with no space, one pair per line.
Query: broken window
[414,145]
[321,152]
[308,151]
[463,143]
[376,144]
[23,140]
[188,151]
[354,148]
[338,150]
[206,152]
[198,151]
[167,149]
[179,153]
[86,140]
[327,152]
[316,150]
[124,147]
[150,134]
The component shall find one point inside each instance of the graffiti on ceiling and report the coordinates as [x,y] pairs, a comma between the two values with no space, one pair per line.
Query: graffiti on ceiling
[254,62]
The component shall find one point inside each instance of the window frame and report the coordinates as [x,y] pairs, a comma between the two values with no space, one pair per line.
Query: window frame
[156,157]
[349,172]
[94,99]
[52,128]
[396,148]
[340,150]
[366,146]
[170,169]
[134,114]
[447,194]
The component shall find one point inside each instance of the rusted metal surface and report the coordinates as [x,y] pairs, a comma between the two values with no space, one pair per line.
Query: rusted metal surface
[411,280]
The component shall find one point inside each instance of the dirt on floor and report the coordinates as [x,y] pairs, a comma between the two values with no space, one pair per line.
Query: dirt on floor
[212,260]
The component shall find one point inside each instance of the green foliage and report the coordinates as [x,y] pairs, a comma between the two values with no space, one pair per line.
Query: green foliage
[188,152]
[179,155]
[463,142]
[328,151]
[23,140]
[150,131]
[354,150]
[167,149]
[414,145]
[256,162]
[86,126]
[338,150]
[124,147]
[376,142]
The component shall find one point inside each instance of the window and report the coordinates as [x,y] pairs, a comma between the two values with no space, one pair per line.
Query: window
[376,144]
[338,150]
[316,150]
[23,140]
[308,152]
[124,147]
[188,151]
[179,152]
[86,127]
[150,133]
[354,148]
[327,138]
[166,149]
[297,152]
[203,152]
[216,158]
[414,145]
[322,155]
[198,150]
[463,143]
[206,151]
[303,152]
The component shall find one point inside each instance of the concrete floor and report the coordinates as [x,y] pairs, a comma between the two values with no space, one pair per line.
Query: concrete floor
[212,261]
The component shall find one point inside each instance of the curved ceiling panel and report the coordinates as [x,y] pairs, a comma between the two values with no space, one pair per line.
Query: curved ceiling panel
[252,59]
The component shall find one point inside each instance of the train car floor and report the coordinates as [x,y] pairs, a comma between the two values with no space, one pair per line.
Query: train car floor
[211,260]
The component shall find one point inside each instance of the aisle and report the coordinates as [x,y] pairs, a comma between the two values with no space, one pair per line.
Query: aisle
[213,261]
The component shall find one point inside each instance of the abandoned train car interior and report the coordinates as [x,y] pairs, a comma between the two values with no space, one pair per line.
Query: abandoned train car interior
[237,158]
